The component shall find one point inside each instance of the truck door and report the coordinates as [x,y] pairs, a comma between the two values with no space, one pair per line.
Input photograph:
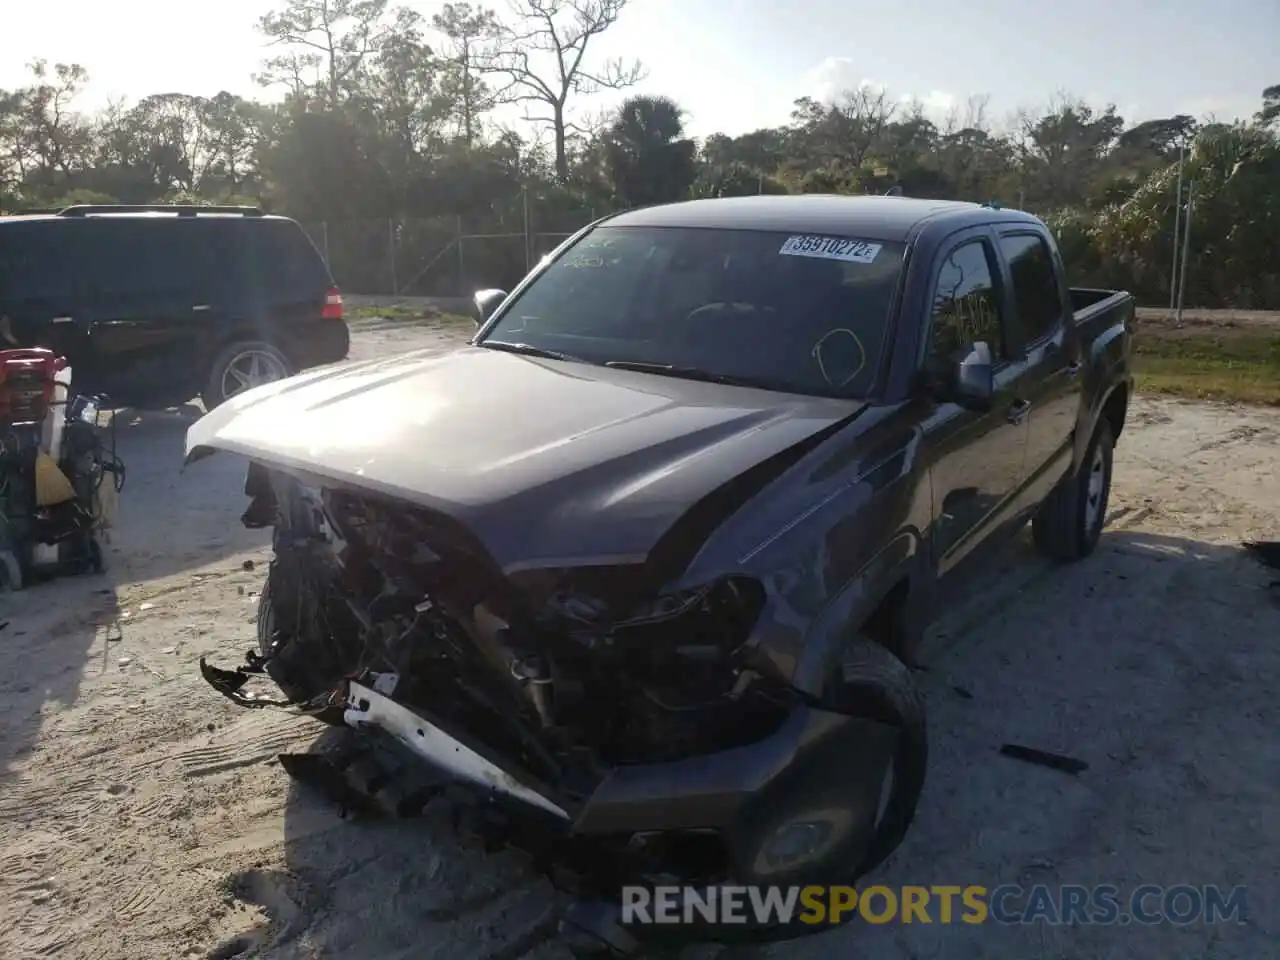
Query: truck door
[977,458]
[1041,308]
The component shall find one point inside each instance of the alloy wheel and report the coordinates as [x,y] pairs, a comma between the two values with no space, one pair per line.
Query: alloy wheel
[251,368]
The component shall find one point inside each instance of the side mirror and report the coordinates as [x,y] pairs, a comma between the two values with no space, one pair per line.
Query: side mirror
[973,379]
[486,302]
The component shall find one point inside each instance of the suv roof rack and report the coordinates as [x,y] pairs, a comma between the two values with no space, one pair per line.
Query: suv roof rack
[181,209]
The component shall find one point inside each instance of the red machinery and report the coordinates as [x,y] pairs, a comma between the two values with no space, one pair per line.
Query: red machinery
[52,466]
[27,380]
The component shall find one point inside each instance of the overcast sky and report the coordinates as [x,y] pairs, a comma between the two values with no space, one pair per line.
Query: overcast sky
[736,65]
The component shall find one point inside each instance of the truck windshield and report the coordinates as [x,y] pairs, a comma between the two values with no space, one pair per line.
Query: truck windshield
[789,312]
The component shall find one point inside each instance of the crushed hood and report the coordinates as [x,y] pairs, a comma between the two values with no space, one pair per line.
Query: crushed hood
[548,462]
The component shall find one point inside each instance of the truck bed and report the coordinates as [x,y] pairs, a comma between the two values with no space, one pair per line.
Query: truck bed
[1087,302]
[1104,322]
[1097,311]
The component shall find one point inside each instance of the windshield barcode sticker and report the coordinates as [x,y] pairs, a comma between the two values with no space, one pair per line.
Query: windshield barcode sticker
[831,248]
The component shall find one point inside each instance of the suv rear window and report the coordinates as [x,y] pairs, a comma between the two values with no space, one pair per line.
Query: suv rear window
[280,256]
[798,313]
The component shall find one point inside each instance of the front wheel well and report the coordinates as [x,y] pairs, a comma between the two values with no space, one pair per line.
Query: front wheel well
[886,624]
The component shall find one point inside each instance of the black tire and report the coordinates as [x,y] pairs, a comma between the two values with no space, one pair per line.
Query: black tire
[876,684]
[215,391]
[334,716]
[1069,523]
[10,572]
[266,617]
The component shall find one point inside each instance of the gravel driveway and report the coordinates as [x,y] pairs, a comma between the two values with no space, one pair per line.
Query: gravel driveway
[143,817]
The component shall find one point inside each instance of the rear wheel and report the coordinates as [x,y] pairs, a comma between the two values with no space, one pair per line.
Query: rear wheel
[241,366]
[1069,524]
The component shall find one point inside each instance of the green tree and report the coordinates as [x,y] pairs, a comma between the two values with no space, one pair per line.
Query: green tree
[1269,115]
[470,34]
[647,157]
[326,44]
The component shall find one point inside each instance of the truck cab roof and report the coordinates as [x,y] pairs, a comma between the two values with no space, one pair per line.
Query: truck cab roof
[895,219]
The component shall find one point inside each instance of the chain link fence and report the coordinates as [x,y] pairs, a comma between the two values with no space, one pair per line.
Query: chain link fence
[449,256]
[452,256]
[445,256]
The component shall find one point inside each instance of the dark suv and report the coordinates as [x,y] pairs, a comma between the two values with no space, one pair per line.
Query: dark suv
[155,305]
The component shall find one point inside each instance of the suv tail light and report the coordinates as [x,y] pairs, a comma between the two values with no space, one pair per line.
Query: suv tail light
[332,305]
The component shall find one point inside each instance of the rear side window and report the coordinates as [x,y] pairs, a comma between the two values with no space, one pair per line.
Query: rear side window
[966,309]
[1035,284]
[151,257]
[33,258]
[280,257]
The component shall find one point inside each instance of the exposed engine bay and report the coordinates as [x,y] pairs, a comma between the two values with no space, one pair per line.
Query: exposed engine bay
[615,728]
[555,677]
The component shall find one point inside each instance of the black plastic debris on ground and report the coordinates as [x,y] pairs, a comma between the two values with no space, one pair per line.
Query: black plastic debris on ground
[1266,552]
[323,775]
[1043,758]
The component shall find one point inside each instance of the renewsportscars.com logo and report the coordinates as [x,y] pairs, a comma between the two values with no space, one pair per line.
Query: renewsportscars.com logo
[1067,904]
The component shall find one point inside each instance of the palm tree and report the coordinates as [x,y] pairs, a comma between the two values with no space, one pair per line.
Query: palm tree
[646,154]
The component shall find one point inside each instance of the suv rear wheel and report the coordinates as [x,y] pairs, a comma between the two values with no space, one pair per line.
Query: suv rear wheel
[241,365]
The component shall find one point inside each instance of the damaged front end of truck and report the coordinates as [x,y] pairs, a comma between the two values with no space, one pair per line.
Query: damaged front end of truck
[564,674]
[618,733]
[553,622]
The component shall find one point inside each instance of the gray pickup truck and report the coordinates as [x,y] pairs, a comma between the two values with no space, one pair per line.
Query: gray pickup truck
[646,563]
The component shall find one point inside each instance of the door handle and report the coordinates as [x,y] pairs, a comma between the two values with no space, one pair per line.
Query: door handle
[1018,411]
[199,307]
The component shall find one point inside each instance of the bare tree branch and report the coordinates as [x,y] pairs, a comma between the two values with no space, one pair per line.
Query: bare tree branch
[560,31]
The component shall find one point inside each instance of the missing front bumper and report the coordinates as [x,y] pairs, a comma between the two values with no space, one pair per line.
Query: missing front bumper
[368,708]
[616,832]
[812,751]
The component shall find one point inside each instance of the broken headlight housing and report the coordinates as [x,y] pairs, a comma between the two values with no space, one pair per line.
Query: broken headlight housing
[704,624]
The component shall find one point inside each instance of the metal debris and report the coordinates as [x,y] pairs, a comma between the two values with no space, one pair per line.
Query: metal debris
[1043,758]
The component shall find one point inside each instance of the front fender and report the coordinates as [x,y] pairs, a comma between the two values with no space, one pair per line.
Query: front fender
[897,566]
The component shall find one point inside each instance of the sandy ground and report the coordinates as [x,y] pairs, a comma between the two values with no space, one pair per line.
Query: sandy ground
[143,817]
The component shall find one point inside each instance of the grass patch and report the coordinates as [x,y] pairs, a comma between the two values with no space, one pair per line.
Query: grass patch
[1242,366]
[384,313]
[361,316]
